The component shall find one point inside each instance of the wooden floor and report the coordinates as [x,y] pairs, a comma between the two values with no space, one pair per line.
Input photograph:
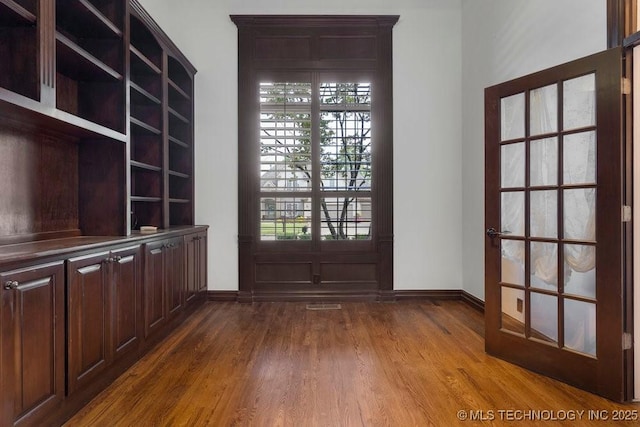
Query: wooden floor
[368,364]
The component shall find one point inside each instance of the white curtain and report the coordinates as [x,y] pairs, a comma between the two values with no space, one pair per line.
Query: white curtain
[579,167]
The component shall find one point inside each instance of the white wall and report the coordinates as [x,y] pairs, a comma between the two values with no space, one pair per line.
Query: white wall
[502,40]
[445,53]
[427,126]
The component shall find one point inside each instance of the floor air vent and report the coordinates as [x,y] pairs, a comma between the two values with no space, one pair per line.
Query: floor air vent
[324,306]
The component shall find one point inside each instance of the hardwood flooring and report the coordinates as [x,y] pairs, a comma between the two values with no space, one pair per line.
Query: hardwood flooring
[368,364]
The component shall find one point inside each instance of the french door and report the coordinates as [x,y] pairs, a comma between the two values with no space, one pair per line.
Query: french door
[555,223]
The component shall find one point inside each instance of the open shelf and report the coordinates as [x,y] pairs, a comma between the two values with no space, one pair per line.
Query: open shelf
[90,61]
[87,87]
[179,77]
[19,48]
[140,64]
[13,14]
[83,19]
[112,10]
[180,193]
[180,161]
[146,185]
[150,115]
[141,127]
[147,149]
[145,166]
[141,96]
[180,189]
[146,199]
[178,142]
[146,211]
[75,62]
[179,90]
[178,116]
[180,212]
[179,129]
[179,104]
[179,174]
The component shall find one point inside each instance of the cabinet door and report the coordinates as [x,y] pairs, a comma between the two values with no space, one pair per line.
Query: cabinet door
[174,273]
[32,346]
[202,263]
[154,294]
[191,267]
[126,298]
[195,266]
[88,316]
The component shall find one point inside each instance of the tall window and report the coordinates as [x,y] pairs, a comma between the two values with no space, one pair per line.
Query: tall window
[315,156]
[288,151]
[285,161]
[345,158]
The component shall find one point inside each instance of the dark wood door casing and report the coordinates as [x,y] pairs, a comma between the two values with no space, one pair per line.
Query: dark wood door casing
[348,47]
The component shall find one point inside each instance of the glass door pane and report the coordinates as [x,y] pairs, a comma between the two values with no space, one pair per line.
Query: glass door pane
[534,200]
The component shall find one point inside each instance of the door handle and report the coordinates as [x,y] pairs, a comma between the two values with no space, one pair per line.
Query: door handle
[11,284]
[492,232]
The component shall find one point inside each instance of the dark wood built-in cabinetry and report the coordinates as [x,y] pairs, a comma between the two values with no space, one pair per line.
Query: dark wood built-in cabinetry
[165,283]
[96,140]
[32,376]
[104,310]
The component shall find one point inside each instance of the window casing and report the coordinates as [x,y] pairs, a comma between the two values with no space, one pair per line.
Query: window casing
[315,157]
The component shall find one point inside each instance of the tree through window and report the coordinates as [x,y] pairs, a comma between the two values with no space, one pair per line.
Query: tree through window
[287,156]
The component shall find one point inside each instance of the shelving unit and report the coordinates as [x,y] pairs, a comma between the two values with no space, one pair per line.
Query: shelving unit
[90,61]
[108,98]
[146,118]
[161,120]
[180,142]
[19,47]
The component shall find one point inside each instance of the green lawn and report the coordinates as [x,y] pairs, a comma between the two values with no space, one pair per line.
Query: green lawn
[269,228]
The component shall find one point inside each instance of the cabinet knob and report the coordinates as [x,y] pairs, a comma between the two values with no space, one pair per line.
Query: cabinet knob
[11,284]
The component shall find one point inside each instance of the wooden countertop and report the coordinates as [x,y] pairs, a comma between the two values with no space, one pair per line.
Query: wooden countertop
[29,251]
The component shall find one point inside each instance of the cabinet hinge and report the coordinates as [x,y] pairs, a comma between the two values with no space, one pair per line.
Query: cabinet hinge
[626,213]
[627,341]
[626,86]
